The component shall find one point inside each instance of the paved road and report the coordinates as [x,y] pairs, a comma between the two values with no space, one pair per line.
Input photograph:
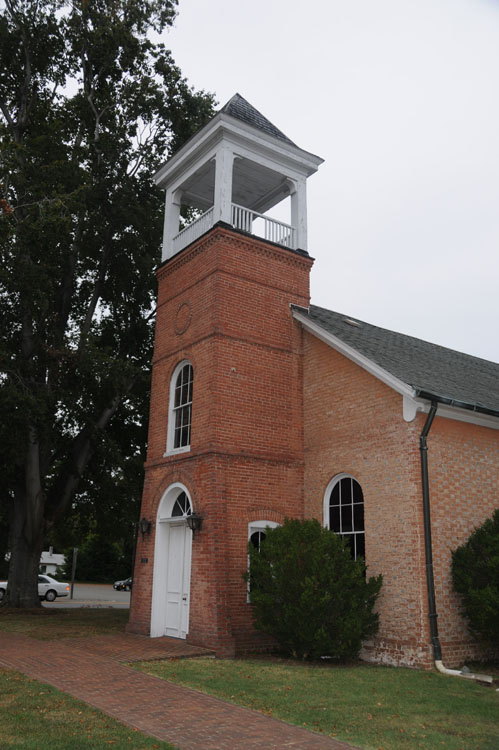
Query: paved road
[93,595]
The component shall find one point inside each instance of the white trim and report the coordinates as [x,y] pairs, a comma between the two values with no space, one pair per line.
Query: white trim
[325,502]
[411,406]
[411,403]
[326,508]
[164,523]
[259,525]
[461,415]
[241,135]
[355,356]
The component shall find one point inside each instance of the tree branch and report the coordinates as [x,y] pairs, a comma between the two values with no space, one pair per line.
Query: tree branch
[80,453]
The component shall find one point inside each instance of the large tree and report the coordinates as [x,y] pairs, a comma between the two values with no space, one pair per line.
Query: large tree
[90,105]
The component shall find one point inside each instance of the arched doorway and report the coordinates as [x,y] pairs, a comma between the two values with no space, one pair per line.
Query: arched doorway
[172,565]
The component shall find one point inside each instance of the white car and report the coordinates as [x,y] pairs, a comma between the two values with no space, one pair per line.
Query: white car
[48,588]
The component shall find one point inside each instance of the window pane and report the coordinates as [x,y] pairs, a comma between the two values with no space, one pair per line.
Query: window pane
[185,393]
[182,506]
[346,491]
[358,517]
[257,538]
[358,497]
[335,495]
[178,392]
[346,518]
[334,519]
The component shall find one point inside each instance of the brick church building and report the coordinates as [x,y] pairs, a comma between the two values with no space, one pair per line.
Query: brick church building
[264,406]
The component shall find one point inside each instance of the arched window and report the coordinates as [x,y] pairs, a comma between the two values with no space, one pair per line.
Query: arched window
[344,512]
[180,412]
[181,506]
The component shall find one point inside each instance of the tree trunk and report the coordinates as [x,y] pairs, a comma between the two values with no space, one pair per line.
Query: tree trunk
[26,548]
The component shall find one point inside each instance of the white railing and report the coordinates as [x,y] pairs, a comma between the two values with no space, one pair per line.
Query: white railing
[242,218]
[263,226]
[190,233]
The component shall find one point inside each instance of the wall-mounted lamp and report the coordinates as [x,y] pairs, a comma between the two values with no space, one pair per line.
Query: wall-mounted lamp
[144,526]
[194,522]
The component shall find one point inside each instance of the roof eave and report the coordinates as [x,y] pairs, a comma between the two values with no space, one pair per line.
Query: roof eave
[428,395]
[355,356]
[240,132]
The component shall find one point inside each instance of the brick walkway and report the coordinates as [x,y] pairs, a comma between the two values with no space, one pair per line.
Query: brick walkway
[88,669]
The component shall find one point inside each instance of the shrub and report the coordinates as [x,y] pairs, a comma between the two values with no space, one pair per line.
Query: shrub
[475,575]
[308,592]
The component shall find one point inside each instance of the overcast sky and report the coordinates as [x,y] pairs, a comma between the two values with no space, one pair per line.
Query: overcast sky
[401,99]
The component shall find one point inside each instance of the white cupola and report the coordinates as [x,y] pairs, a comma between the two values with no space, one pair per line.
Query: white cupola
[233,170]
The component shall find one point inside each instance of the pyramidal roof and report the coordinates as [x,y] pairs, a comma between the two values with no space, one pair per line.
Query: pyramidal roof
[242,110]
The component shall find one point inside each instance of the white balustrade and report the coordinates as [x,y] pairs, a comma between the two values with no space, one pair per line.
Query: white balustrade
[243,219]
[269,229]
[194,230]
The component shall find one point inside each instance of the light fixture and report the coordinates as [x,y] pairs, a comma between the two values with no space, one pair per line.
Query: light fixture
[144,526]
[194,522]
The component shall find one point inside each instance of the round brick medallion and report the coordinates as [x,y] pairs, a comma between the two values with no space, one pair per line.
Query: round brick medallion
[183,318]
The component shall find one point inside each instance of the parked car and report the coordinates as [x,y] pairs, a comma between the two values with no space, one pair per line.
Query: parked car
[48,588]
[125,585]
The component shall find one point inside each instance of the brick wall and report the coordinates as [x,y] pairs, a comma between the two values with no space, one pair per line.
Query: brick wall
[463,464]
[353,424]
[223,304]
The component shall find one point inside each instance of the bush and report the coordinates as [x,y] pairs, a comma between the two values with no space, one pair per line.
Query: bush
[475,575]
[309,594]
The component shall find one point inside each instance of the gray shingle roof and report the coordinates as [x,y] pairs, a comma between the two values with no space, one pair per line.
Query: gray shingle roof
[242,110]
[433,371]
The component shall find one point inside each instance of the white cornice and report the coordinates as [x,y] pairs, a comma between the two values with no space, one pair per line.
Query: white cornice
[411,404]
[239,134]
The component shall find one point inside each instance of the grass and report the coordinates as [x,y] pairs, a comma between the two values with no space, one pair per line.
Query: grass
[34,716]
[376,708]
[52,624]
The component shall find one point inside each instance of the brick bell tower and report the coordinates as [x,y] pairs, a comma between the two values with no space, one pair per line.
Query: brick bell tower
[225,452]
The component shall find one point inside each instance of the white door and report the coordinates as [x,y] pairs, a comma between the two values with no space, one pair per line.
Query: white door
[178,575]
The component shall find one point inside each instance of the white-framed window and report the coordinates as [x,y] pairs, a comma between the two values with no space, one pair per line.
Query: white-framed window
[344,512]
[180,409]
[257,531]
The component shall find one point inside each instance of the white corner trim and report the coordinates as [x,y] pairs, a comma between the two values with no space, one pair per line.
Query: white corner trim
[411,406]
[359,359]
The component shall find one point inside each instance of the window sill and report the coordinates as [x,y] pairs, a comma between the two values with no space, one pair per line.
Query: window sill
[176,451]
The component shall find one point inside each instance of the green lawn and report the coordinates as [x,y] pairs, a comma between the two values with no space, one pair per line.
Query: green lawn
[376,708]
[52,624]
[34,716]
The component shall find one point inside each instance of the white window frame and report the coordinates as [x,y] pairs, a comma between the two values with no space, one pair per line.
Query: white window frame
[334,481]
[170,437]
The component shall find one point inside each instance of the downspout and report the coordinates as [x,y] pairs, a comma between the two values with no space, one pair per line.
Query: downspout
[430,580]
